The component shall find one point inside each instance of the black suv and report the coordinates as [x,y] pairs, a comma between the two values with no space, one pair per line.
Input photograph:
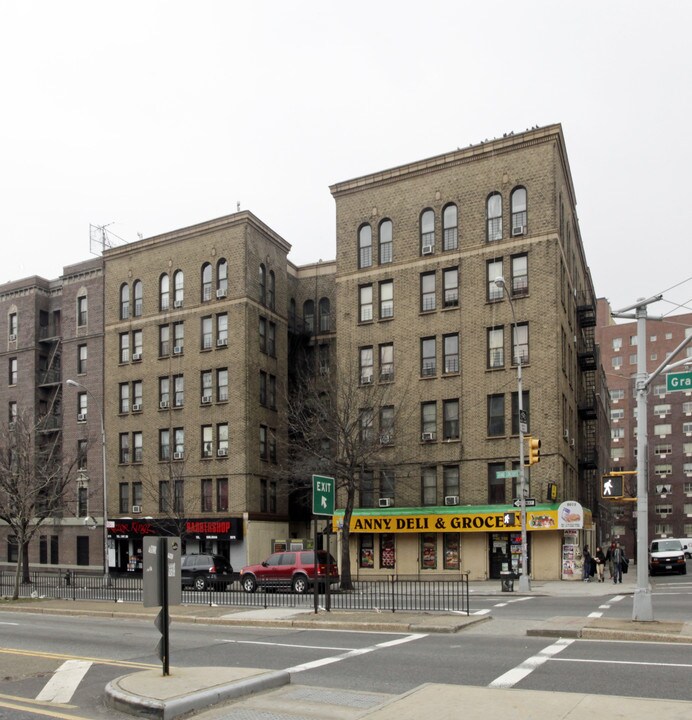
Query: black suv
[203,571]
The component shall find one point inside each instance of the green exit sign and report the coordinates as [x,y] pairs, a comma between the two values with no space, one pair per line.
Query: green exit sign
[322,495]
[678,381]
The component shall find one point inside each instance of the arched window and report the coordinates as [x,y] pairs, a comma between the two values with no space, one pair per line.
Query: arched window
[450,233]
[427,232]
[263,284]
[385,241]
[309,316]
[519,212]
[271,290]
[164,292]
[138,292]
[124,301]
[365,246]
[494,216]
[178,288]
[221,278]
[324,315]
[206,282]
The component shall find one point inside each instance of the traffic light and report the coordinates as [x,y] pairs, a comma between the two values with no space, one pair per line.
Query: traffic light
[611,487]
[509,519]
[534,450]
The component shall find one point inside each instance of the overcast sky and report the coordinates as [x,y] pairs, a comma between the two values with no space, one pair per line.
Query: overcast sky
[149,116]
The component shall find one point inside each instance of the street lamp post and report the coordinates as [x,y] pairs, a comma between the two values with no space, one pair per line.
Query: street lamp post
[524,580]
[75,384]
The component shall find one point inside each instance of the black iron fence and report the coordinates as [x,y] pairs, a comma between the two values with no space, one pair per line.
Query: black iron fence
[393,594]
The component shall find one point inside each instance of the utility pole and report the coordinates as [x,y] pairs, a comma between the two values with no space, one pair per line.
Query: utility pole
[642,609]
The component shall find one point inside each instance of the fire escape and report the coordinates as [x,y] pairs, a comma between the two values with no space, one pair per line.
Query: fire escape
[588,359]
[49,384]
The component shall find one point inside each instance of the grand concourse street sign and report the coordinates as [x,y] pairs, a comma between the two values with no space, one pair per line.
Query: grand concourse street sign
[322,495]
[678,381]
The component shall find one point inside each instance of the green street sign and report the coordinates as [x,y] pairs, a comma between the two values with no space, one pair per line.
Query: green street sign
[504,474]
[322,495]
[678,381]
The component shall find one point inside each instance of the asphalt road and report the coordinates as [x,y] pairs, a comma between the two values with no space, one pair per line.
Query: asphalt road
[58,666]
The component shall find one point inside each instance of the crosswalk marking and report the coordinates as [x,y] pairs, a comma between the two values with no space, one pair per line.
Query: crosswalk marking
[65,680]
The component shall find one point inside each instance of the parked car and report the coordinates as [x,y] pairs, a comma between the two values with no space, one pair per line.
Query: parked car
[294,570]
[204,570]
[667,556]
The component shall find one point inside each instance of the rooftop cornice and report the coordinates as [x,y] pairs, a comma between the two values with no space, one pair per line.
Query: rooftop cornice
[473,153]
[228,221]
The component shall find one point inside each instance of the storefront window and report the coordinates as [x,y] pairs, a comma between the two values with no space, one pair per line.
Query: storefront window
[452,554]
[367,551]
[428,551]
[387,551]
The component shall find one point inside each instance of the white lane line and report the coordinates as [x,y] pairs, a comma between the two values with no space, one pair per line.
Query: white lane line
[65,680]
[353,653]
[513,676]
[8,623]
[595,614]
[617,598]
[286,645]
[604,607]
[500,605]
[481,612]
[624,662]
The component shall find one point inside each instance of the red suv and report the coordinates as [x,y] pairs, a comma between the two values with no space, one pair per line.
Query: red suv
[290,569]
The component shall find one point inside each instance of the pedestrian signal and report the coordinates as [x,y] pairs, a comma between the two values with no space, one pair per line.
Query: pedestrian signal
[611,487]
[509,519]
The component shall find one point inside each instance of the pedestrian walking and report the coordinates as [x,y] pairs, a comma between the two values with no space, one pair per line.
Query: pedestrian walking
[609,560]
[617,559]
[587,571]
[600,560]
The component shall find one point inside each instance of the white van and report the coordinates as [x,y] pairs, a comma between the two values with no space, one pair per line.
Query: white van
[666,555]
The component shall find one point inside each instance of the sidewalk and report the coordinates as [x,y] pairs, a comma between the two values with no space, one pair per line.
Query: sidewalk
[187,690]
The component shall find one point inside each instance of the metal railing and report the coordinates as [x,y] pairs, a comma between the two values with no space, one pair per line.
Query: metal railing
[393,594]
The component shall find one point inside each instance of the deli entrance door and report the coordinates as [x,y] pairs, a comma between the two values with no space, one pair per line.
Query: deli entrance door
[505,554]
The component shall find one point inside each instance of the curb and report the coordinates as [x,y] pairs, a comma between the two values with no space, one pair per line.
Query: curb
[119,698]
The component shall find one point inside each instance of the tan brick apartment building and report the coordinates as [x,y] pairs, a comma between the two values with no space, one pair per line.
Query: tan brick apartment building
[202,327]
[51,331]
[669,427]
[418,249]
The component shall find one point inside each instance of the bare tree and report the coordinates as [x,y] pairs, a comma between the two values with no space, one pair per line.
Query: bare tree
[35,482]
[345,429]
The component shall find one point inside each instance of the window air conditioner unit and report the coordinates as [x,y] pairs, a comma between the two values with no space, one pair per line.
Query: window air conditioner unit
[206,399]
[81,417]
[220,293]
[136,509]
[572,443]
[221,342]
[136,407]
[13,338]
[451,499]
[11,425]
[163,404]
[386,502]
[565,434]
[519,230]
[385,439]
[428,249]
[222,452]
[427,436]
[387,376]
[178,455]
[178,350]
[366,380]
[178,304]
[136,357]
